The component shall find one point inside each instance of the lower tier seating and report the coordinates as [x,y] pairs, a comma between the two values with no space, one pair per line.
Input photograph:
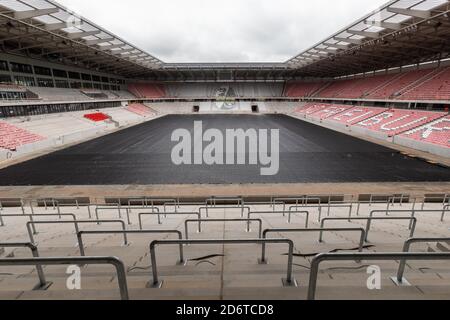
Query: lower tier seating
[357,114]
[12,137]
[329,111]
[436,132]
[394,121]
[140,109]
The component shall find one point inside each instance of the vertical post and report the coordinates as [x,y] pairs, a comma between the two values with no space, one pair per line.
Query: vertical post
[39,270]
[80,244]
[155,281]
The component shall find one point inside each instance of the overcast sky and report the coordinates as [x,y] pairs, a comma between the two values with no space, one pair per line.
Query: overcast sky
[225,30]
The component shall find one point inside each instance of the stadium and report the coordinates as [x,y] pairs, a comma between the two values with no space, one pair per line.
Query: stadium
[123,176]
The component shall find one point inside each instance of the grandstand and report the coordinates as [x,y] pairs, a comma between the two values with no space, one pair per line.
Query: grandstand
[88,128]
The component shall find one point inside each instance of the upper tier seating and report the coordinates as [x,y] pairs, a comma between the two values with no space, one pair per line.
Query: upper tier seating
[140,109]
[303,89]
[357,114]
[147,90]
[435,88]
[399,83]
[12,137]
[355,88]
[436,132]
[394,121]
[96,117]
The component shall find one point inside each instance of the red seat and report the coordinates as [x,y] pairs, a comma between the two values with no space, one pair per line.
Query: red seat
[147,90]
[396,121]
[436,132]
[12,137]
[96,117]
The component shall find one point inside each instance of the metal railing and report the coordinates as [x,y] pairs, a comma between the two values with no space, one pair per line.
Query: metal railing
[267,231]
[369,223]
[54,204]
[201,221]
[6,202]
[81,233]
[141,214]
[117,263]
[118,208]
[32,216]
[303,200]
[412,211]
[206,209]
[43,284]
[400,280]
[288,281]
[250,213]
[303,211]
[75,223]
[213,201]
[315,263]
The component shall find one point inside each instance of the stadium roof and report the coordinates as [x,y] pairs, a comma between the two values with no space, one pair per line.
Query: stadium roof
[402,32]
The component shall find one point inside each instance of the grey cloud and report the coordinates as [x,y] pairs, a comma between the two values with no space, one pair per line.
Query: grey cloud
[223,31]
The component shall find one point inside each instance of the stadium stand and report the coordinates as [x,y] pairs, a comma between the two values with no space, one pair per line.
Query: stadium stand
[12,137]
[57,94]
[436,87]
[355,88]
[330,111]
[395,121]
[436,132]
[357,114]
[140,109]
[96,117]
[214,90]
[310,108]
[147,90]
[303,89]
[398,83]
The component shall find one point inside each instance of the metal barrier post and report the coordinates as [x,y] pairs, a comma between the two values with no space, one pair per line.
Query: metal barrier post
[75,223]
[81,233]
[267,231]
[118,264]
[400,280]
[43,284]
[156,283]
[369,221]
[364,256]
[186,223]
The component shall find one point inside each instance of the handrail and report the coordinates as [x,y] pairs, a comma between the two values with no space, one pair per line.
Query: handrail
[30,216]
[303,211]
[97,208]
[54,202]
[364,256]
[75,223]
[297,200]
[406,247]
[186,223]
[413,212]
[329,206]
[369,223]
[43,284]
[173,213]
[213,200]
[206,209]
[289,281]
[81,233]
[116,262]
[267,231]
[22,205]
[250,213]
